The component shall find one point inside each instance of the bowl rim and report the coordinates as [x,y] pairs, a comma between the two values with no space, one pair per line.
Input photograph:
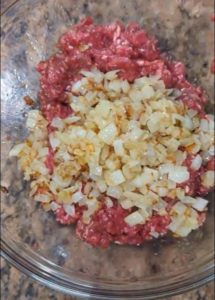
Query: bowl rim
[52,276]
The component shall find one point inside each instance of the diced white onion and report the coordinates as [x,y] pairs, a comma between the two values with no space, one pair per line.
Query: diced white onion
[148,92]
[70,120]
[166,168]
[200,204]
[101,186]
[43,152]
[125,86]
[32,119]
[15,151]
[54,206]
[118,147]
[192,113]
[108,133]
[188,123]
[44,198]
[179,208]
[54,142]
[179,174]
[94,193]
[108,202]
[114,191]
[111,75]
[121,145]
[204,126]
[78,196]
[162,192]
[57,123]
[176,223]
[117,177]
[134,219]
[95,170]
[208,179]
[126,204]
[196,162]
[115,86]
[69,209]
[211,151]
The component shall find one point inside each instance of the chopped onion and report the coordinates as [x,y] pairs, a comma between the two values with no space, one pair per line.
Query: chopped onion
[200,204]
[162,192]
[54,206]
[111,75]
[176,223]
[101,186]
[15,151]
[208,179]
[179,174]
[179,208]
[192,113]
[134,219]
[57,123]
[114,191]
[54,142]
[121,142]
[94,193]
[115,85]
[196,162]
[108,202]
[125,86]
[77,86]
[211,151]
[78,196]
[95,170]
[103,108]
[108,134]
[118,147]
[69,209]
[188,123]
[166,169]
[204,126]
[126,204]
[70,120]
[44,198]
[148,92]
[34,116]
[117,177]
[154,234]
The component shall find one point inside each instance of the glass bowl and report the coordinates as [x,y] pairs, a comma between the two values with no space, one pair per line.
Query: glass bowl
[31,239]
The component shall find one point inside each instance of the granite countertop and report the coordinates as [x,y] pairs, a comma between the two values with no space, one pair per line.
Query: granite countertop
[17,286]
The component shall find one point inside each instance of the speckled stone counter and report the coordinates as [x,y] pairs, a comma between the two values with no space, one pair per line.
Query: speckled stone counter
[16,286]
[40,233]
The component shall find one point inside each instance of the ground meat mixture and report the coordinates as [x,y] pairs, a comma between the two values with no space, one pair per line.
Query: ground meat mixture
[193,186]
[108,47]
[131,51]
[108,225]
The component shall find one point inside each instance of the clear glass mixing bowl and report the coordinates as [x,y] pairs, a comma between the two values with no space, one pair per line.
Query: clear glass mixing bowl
[31,239]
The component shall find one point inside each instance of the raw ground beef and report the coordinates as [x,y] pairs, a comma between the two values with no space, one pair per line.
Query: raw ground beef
[193,186]
[108,47]
[108,225]
[134,53]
